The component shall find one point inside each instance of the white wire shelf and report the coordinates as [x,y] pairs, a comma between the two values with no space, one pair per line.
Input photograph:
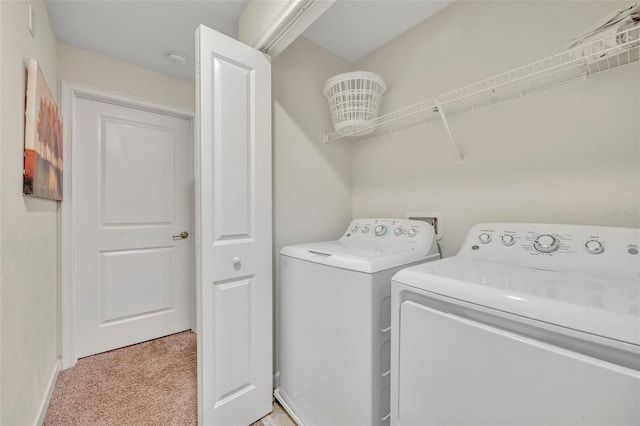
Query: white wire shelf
[613,51]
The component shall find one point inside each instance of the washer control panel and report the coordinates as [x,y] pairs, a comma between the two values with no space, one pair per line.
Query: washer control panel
[571,248]
[389,232]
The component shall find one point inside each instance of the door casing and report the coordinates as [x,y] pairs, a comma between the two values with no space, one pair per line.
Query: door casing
[68,210]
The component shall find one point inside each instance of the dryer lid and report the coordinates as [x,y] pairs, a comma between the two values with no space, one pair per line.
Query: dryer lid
[606,307]
[356,251]
[355,257]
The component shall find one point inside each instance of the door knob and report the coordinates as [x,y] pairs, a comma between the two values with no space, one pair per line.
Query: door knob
[236,260]
[181,236]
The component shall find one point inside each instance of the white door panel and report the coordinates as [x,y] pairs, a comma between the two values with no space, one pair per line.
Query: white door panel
[134,176]
[124,145]
[233,218]
[135,273]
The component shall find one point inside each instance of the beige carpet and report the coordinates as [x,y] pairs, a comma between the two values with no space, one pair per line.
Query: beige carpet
[151,383]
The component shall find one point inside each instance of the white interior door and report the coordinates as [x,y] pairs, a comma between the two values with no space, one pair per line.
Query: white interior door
[233,230]
[133,178]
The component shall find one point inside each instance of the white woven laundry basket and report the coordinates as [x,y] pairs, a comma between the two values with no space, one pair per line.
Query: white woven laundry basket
[354,100]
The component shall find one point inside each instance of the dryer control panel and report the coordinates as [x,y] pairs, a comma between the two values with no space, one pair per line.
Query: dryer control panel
[601,250]
[390,233]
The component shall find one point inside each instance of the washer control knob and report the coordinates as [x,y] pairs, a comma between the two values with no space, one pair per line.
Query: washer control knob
[398,232]
[412,232]
[484,238]
[381,230]
[594,246]
[355,228]
[365,229]
[508,240]
[546,243]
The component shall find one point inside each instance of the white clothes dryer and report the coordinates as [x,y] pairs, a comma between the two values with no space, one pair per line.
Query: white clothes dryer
[529,324]
[335,320]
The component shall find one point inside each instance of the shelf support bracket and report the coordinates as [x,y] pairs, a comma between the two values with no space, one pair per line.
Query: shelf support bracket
[446,126]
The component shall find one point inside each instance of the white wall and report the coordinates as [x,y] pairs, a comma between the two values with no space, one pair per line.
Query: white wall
[570,154]
[84,67]
[28,227]
[311,181]
[1,191]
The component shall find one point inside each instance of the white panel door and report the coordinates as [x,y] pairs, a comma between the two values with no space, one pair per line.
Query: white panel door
[134,279]
[233,230]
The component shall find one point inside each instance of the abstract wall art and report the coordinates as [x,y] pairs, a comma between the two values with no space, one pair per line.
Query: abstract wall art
[42,139]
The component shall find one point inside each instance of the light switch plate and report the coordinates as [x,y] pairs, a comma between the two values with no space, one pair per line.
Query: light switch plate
[32,21]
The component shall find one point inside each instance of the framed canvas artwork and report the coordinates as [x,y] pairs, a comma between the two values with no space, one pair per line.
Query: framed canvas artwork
[42,139]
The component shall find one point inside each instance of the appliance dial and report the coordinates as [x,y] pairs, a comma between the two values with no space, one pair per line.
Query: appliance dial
[398,232]
[594,246]
[508,240]
[355,228]
[365,229]
[412,232]
[546,243]
[381,230]
[484,238]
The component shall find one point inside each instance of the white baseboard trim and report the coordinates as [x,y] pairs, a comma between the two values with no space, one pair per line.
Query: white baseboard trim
[286,407]
[44,404]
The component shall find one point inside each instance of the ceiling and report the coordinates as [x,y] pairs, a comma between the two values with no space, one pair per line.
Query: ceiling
[144,32]
[353,28]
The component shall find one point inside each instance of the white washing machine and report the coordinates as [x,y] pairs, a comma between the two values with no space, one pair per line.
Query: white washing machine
[335,320]
[529,324]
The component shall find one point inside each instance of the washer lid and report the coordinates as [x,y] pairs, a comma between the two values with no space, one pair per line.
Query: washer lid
[356,257]
[606,307]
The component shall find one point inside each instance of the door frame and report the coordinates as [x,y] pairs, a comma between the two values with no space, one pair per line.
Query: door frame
[71,92]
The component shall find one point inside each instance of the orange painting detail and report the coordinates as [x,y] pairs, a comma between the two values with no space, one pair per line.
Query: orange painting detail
[43,139]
